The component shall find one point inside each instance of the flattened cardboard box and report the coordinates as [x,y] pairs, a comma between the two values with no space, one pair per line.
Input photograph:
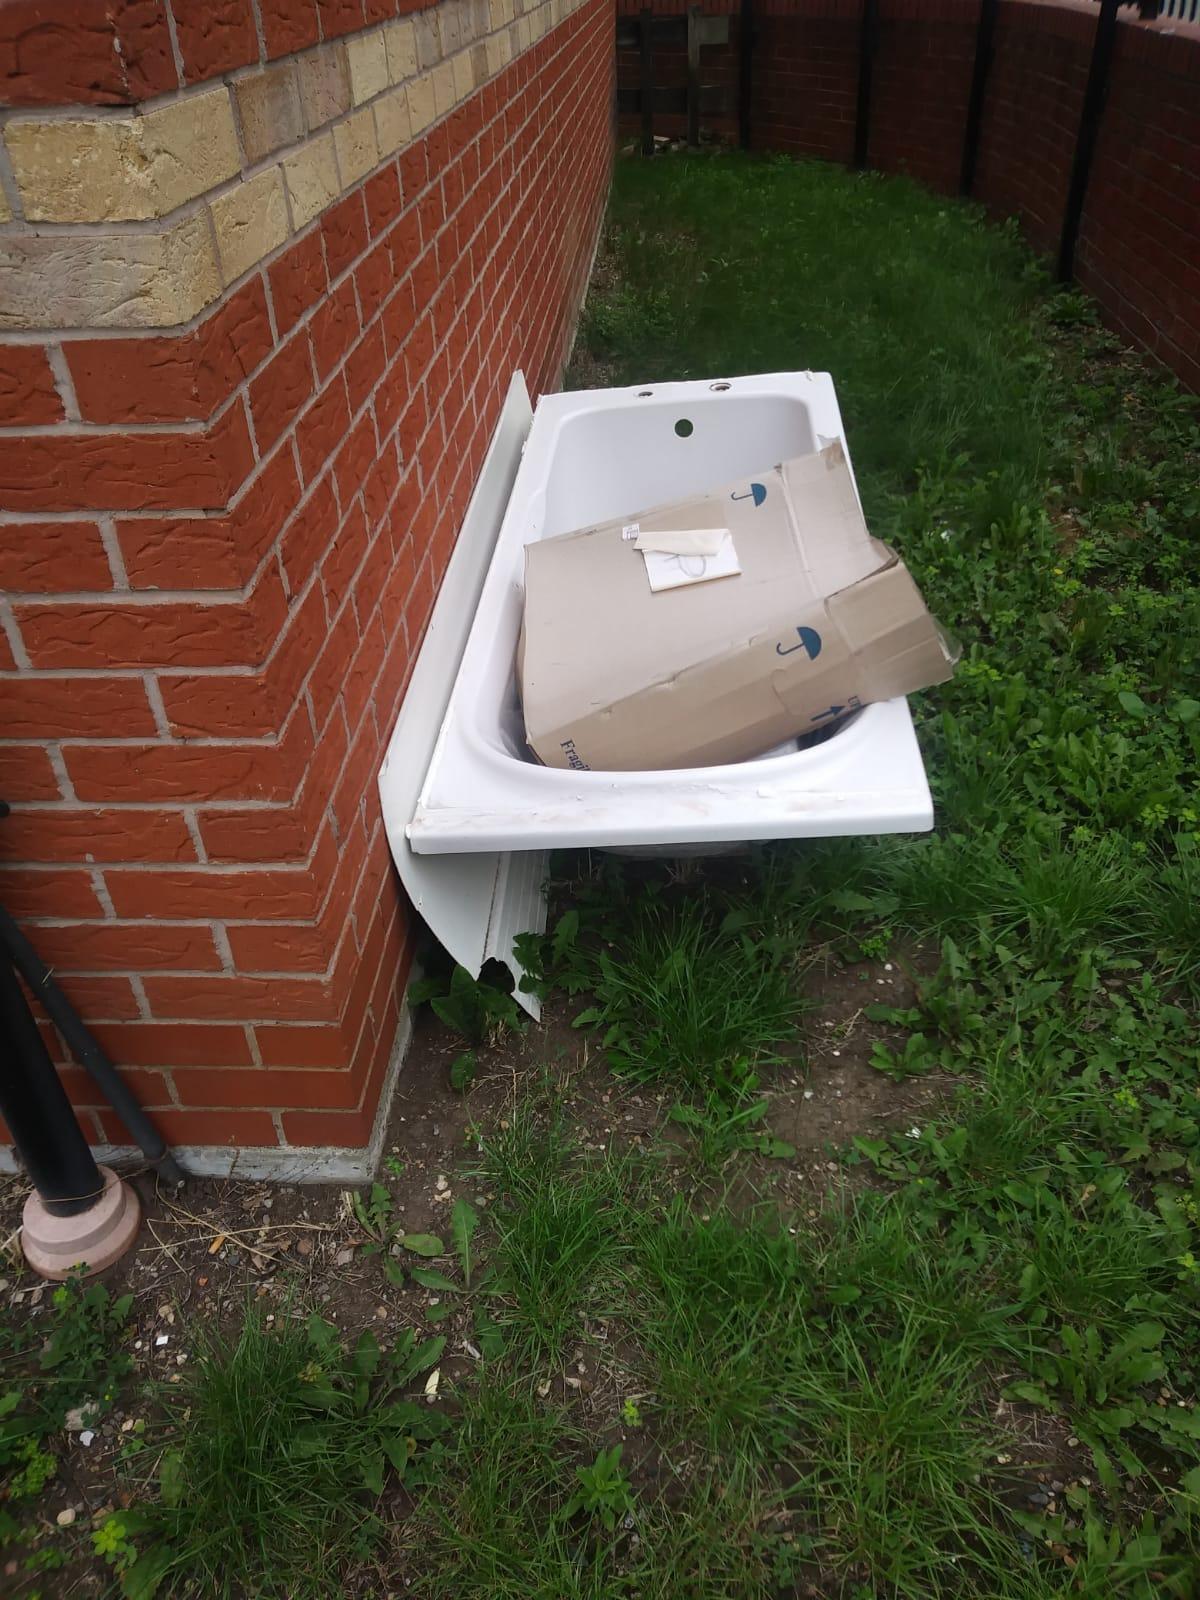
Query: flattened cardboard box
[820,619]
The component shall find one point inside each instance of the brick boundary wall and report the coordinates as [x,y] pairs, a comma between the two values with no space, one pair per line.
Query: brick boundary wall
[1139,243]
[266,270]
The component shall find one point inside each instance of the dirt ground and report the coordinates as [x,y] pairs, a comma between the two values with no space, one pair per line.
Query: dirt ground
[207,1251]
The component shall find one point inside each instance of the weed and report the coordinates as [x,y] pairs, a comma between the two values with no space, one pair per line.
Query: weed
[373,1212]
[30,1467]
[720,1131]
[685,999]
[559,1226]
[275,1453]
[603,1492]
[464,1220]
[914,1059]
[79,1366]
[375,1215]
[491,1529]
[477,1009]
[79,1355]
[462,1071]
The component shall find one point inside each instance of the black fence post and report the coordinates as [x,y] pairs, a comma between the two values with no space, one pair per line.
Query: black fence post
[1089,127]
[867,40]
[984,49]
[647,43]
[693,76]
[745,71]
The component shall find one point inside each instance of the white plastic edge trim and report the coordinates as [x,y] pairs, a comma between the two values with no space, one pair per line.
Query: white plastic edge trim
[475,904]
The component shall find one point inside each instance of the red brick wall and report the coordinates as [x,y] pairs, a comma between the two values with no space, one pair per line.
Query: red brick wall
[805,81]
[920,88]
[97,52]
[220,548]
[1139,246]
[1031,116]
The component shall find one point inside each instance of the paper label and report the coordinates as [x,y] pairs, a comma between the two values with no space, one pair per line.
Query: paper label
[684,541]
[670,571]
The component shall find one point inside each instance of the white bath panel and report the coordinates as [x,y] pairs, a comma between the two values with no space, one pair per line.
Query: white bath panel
[469,814]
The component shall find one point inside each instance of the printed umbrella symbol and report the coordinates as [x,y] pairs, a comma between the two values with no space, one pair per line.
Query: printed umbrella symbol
[810,643]
[758,493]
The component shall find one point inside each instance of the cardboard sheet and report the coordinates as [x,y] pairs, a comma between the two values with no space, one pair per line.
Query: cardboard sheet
[818,619]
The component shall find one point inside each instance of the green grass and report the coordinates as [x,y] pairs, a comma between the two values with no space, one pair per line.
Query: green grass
[862,1400]
[559,1225]
[275,1451]
[1036,1243]
[1048,897]
[855,1401]
[687,996]
[500,1526]
[73,1359]
[733,266]
[722,1303]
[818,1398]
[495,1530]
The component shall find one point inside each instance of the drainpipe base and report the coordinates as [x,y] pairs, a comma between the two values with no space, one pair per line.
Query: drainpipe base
[93,1239]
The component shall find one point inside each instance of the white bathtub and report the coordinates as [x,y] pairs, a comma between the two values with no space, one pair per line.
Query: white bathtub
[458,780]
[608,453]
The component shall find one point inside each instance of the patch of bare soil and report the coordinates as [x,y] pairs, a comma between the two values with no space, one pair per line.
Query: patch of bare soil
[203,1252]
[207,1252]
